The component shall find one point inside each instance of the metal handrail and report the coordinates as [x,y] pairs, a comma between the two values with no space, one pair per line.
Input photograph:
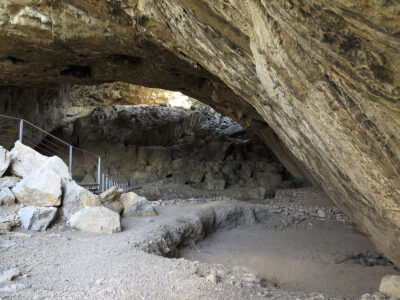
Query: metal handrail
[101,182]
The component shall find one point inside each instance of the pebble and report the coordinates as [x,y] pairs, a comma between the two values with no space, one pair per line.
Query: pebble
[213,278]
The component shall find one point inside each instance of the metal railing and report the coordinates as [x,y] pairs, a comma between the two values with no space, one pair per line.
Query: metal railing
[13,129]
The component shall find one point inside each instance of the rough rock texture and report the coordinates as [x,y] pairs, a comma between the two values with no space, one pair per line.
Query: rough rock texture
[43,189]
[37,218]
[153,144]
[5,159]
[76,198]
[96,219]
[9,181]
[323,74]
[390,286]
[6,196]
[135,205]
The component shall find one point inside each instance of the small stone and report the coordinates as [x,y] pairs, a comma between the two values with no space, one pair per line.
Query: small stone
[37,218]
[390,286]
[135,205]
[213,278]
[9,275]
[9,181]
[321,214]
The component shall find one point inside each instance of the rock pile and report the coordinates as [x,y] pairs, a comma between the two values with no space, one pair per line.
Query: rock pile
[43,187]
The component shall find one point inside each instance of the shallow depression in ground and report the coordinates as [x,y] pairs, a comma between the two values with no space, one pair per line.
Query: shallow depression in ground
[295,259]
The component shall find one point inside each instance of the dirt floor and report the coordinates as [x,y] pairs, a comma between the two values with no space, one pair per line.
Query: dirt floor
[298,242]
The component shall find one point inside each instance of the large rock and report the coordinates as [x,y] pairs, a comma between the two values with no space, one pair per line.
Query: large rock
[76,198]
[37,218]
[390,286]
[6,196]
[25,161]
[96,219]
[110,199]
[42,189]
[5,159]
[135,205]
[324,76]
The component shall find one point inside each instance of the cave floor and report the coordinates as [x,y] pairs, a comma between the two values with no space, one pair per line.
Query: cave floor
[297,255]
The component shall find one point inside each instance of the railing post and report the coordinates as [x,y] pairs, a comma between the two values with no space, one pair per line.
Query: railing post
[70,159]
[102,182]
[98,170]
[21,129]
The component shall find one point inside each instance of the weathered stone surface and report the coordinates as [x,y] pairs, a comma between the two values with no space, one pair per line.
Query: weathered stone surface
[37,218]
[5,159]
[26,161]
[324,75]
[6,196]
[135,205]
[110,195]
[390,286]
[9,181]
[76,198]
[42,189]
[110,199]
[96,219]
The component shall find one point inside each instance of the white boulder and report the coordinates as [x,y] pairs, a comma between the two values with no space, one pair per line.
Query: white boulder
[6,196]
[25,161]
[96,219]
[5,159]
[76,198]
[390,286]
[42,189]
[135,205]
[36,218]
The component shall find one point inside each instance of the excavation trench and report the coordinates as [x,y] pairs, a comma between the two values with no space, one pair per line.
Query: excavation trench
[299,253]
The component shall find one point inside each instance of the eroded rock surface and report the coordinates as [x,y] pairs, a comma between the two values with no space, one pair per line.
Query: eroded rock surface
[43,189]
[323,74]
[37,218]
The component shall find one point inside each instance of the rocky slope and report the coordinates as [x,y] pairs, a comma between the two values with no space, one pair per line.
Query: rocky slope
[324,75]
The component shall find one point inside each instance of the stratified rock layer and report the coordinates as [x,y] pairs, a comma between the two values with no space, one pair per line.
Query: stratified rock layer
[325,76]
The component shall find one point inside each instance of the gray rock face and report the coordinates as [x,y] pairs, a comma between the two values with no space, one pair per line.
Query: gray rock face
[37,218]
[76,198]
[42,189]
[96,219]
[6,196]
[5,159]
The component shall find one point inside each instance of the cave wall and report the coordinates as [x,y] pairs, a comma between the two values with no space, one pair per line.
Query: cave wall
[324,75]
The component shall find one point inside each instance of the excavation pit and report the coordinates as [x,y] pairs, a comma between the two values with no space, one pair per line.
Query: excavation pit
[314,251]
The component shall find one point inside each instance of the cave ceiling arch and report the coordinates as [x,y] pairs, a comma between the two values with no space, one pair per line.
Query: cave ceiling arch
[324,75]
